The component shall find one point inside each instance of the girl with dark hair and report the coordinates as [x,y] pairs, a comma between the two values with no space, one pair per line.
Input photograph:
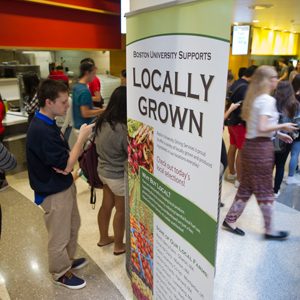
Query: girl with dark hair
[288,107]
[111,145]
[31,83]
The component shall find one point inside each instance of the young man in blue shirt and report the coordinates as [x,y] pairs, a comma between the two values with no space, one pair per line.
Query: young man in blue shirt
[50,163]
[83,108]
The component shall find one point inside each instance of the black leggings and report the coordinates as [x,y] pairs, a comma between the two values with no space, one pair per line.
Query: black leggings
[280,160]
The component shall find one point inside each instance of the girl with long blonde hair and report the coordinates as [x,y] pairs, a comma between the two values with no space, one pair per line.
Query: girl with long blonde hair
[257,157]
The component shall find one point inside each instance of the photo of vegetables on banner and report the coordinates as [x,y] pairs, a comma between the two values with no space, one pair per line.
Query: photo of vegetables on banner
[140,154]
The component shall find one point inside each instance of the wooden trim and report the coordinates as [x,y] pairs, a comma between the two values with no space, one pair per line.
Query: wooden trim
[71,6]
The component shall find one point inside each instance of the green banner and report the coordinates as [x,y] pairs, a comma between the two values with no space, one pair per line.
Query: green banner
[184,217]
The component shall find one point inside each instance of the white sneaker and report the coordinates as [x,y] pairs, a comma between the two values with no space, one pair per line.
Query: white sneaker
[231,177]
[276,195]
[292,180]
[236,184]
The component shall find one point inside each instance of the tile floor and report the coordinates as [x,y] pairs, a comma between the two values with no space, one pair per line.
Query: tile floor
[247,267]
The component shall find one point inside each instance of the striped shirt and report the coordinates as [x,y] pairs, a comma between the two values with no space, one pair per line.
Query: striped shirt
[7,160]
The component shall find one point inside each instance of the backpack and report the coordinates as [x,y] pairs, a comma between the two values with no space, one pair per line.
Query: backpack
[88,162]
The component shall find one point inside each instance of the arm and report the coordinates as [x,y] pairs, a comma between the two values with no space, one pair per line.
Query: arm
[86,112]
[265,127]
[7,160]
[285,137]
[284,76]
[232,108]
[97,97]
[76,151]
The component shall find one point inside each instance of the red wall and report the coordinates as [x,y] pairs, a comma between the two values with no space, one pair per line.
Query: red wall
[30,25]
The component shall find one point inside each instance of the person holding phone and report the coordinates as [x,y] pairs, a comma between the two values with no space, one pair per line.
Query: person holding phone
[50,163]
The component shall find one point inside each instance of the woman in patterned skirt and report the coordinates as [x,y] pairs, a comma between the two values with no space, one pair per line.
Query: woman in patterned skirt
[260,113]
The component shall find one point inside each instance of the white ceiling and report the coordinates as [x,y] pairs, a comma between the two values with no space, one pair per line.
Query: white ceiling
[284,15]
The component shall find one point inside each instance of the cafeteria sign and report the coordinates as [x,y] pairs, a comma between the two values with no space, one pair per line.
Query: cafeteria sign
[176,83]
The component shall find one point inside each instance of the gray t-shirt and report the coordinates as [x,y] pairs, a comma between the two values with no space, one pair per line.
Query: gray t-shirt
[111,147]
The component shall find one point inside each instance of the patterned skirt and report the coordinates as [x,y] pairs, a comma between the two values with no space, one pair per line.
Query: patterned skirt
[257,161]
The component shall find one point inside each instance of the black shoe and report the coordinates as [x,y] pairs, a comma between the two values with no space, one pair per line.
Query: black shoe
[222,204]
[236,231]
[280,235]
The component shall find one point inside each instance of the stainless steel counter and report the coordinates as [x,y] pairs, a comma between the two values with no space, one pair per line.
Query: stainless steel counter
[14,118]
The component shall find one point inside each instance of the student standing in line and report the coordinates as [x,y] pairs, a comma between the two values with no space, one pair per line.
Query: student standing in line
[111,144]
[261,115]
[284,70]
[224,161]
[288,107]
[95,85]
[236,126]
[242,72]
[50,163]
[83,108]
[59,74]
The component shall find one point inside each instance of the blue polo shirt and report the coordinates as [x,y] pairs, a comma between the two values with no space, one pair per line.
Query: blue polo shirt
[46,149]
[81,97]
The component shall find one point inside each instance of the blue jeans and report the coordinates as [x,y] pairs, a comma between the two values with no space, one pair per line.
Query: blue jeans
[294,158]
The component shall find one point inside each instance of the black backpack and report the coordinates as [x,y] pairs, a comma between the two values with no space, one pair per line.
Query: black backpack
[88,162]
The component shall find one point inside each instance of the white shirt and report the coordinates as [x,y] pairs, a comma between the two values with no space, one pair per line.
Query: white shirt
[264,105]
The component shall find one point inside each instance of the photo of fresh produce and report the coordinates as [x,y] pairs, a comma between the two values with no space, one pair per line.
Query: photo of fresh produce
[140,154]
[142,251]
[140,147]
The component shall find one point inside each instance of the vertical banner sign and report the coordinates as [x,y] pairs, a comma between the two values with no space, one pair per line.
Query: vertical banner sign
[177,60]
